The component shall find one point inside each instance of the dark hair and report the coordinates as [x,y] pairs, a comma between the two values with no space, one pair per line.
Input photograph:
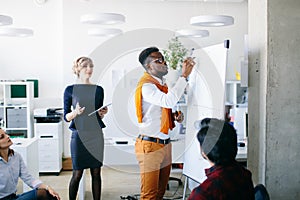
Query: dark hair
[145,53]
[218,140]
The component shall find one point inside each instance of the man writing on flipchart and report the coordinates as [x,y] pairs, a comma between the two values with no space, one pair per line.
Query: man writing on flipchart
[154,102]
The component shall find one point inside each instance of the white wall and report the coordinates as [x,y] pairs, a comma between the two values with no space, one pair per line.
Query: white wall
[59,38]
[36,57]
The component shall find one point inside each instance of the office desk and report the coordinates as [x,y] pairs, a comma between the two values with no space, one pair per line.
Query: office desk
[28,149]
[124,154]
[178,149]
[119,151]
[242,154]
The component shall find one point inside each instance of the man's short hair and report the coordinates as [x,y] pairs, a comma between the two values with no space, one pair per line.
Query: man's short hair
[218,140]
[145,53]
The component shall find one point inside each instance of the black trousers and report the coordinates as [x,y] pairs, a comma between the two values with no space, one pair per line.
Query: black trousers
[9,197]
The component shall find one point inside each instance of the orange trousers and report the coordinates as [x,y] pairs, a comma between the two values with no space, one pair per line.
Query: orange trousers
[155,161]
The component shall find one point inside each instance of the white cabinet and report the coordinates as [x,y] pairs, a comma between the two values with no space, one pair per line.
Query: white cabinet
[28,149]
[50,146]
[16,108]
[235,93]
[237,107]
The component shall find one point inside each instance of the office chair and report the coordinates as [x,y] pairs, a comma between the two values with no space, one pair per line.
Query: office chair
[261,192]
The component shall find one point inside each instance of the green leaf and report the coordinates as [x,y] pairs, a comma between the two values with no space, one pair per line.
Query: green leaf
[175,53]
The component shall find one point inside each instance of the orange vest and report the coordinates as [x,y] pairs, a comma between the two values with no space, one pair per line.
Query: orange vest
[167,120]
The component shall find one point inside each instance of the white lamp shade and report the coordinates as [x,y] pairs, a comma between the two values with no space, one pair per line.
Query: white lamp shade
[102,18]
[5,20]
[104,32]
[191,33]
[40,2]
[212,20]
[16,32]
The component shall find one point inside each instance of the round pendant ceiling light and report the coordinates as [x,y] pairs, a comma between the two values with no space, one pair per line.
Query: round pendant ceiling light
[16,32]
[40,2]
[104,32]
[5,20]
[212,20]
[102,18]
[192,33]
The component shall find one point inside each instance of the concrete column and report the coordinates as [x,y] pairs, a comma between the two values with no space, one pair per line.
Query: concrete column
[274,96]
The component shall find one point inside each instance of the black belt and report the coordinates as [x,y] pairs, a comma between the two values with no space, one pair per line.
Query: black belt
[153,139]
[9,197]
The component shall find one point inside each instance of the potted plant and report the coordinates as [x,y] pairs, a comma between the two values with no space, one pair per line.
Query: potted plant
[175,53]
[174,56]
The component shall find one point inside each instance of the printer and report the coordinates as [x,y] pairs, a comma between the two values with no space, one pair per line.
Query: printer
[47,115]
[48,129]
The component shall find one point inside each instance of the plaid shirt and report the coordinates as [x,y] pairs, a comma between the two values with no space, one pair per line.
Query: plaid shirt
[230,182]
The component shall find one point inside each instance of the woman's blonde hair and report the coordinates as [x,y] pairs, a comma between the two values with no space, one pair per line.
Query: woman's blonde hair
[79,64]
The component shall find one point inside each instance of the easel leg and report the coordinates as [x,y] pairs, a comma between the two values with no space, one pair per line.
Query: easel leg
[185,186]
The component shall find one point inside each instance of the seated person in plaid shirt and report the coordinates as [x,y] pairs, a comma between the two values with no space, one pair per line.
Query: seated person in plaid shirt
[226,178]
